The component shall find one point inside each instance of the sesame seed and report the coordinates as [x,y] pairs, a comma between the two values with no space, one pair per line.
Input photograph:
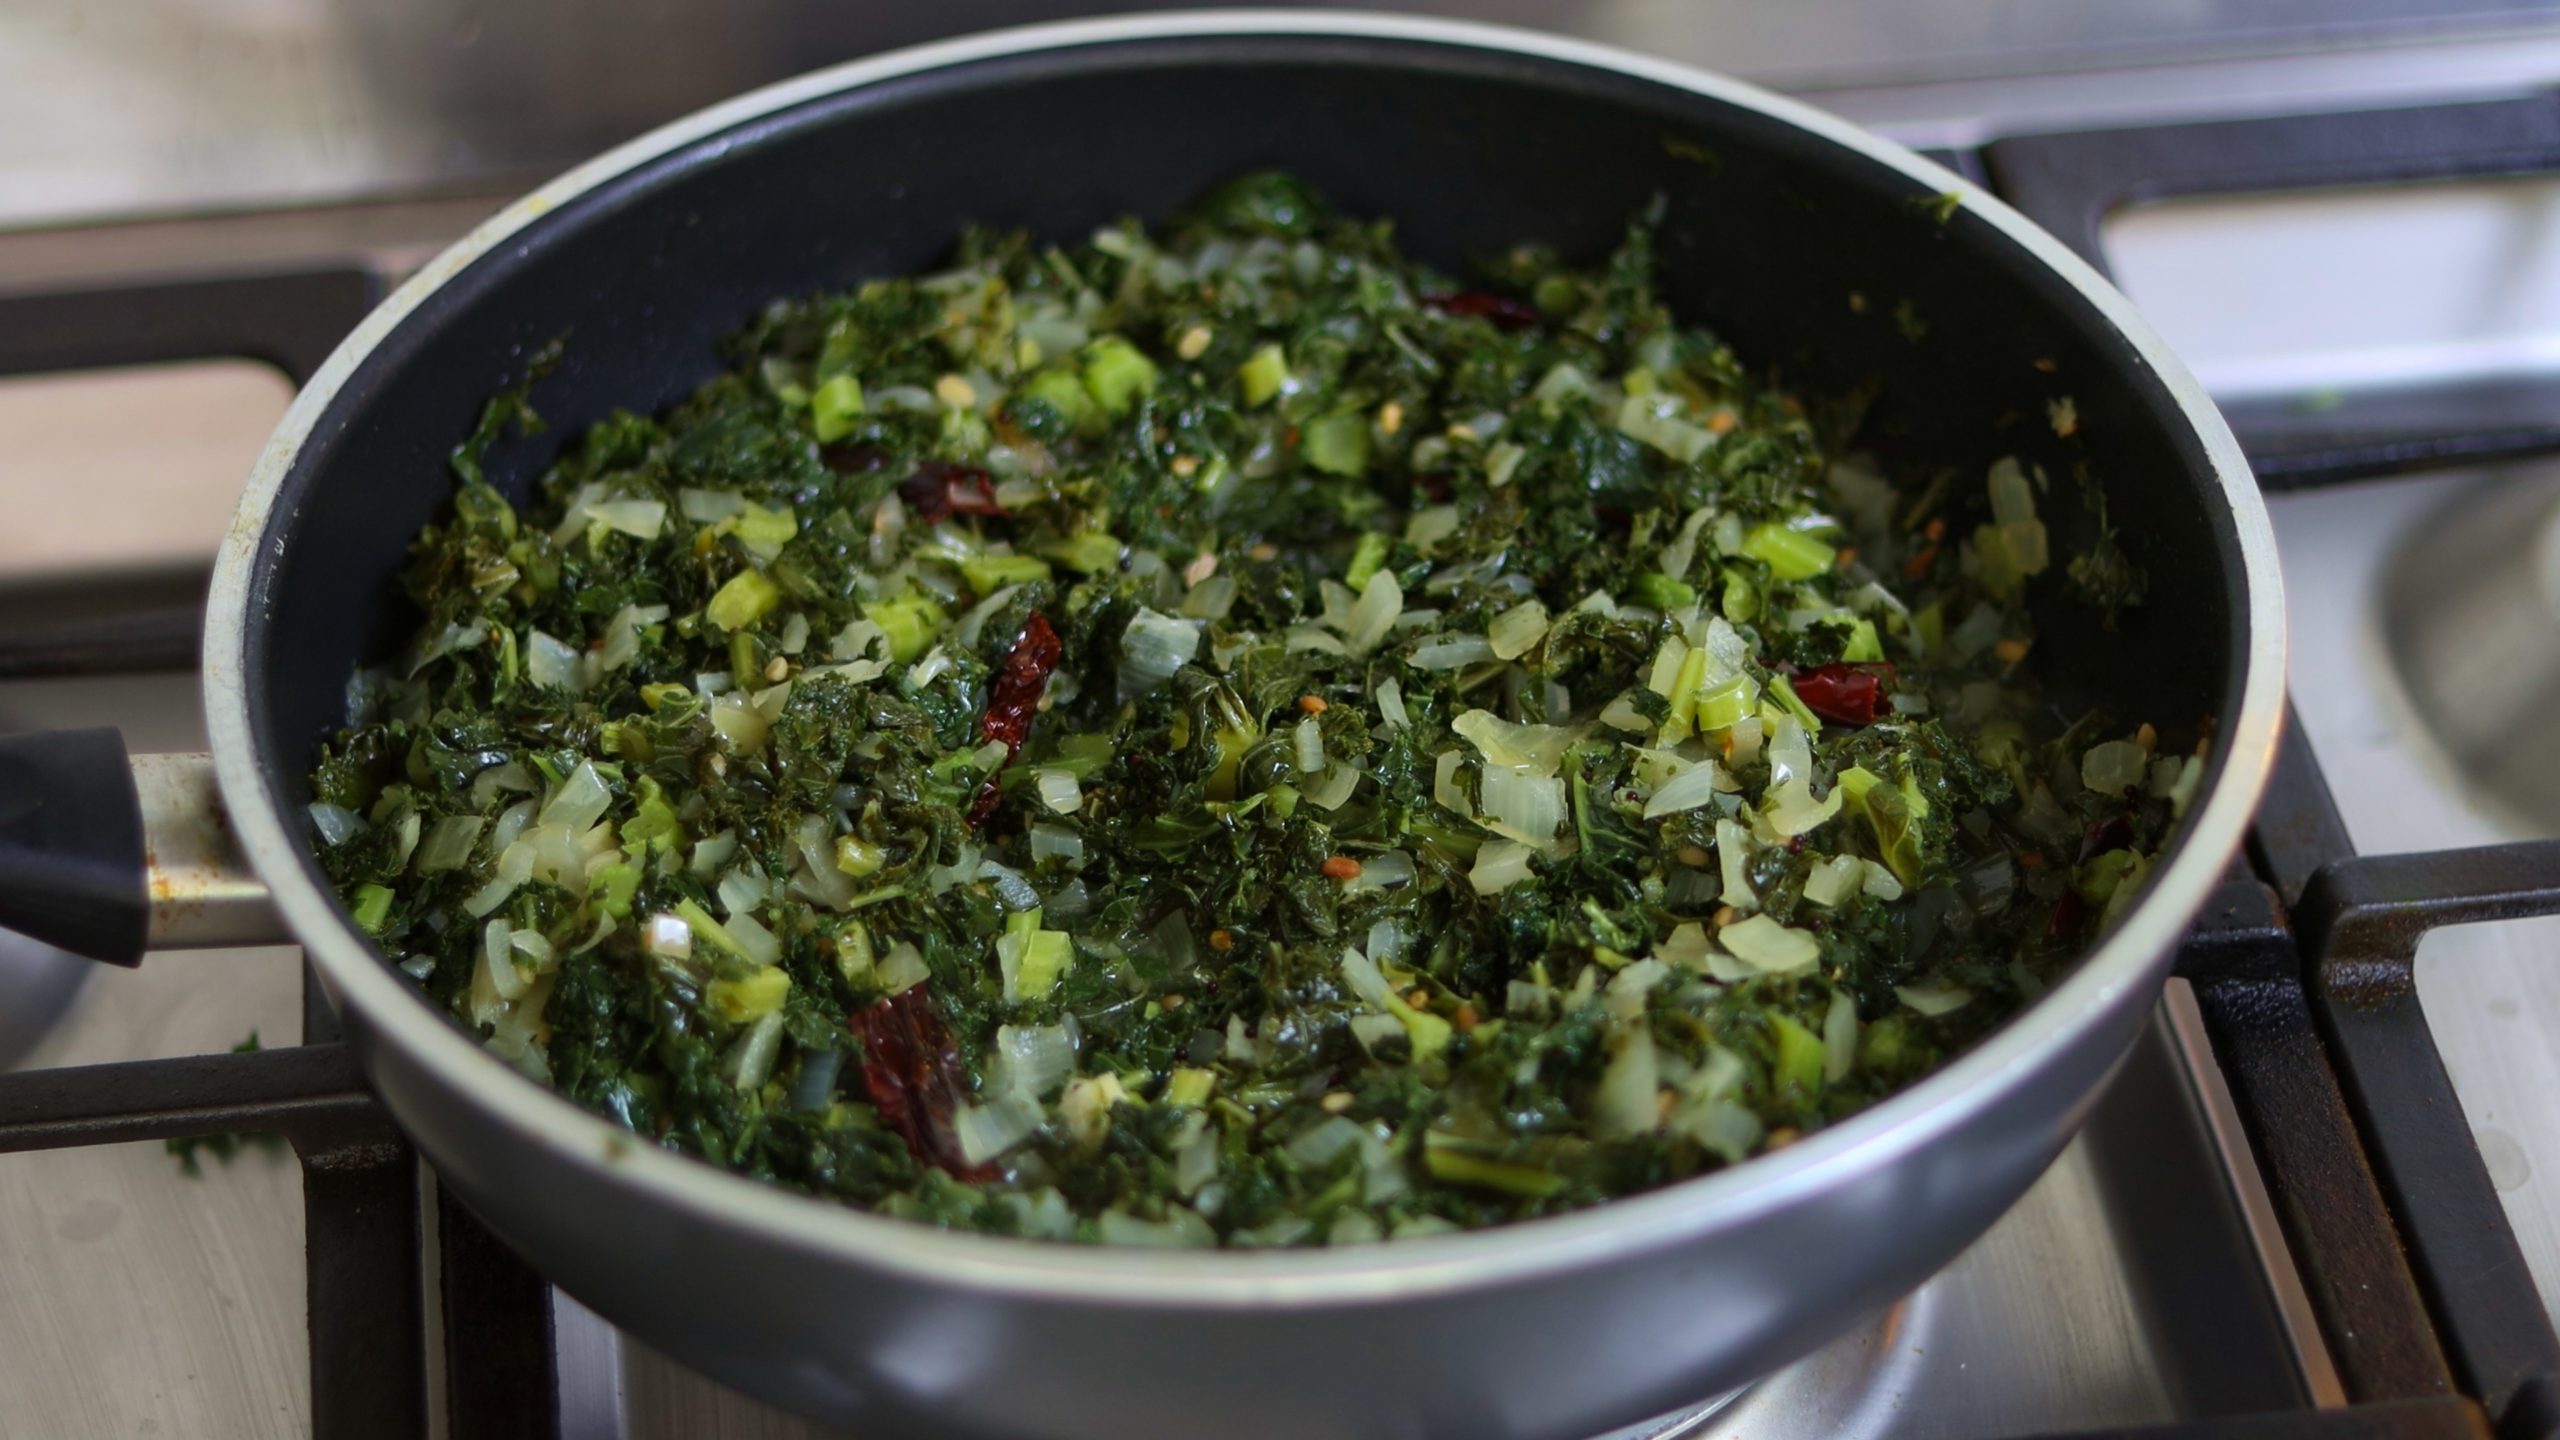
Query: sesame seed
[2010,651]
[1341,867]
[1725,915]
[1694,856]
[1172,1002]
[1336,1102]
[1202,566]
[777,669]
[2147,737]
[1185,465]
[1222,940]
[1391,417]
[1313,704]
[955,392]
[1194,343]
[1265,552]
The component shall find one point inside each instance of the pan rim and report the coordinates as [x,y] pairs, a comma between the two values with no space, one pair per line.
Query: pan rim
[1616,1231]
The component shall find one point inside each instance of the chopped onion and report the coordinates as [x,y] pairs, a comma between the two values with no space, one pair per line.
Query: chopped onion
[449,844]
[1682,552]
[987,1131]
[336,823]
[710,507]
[1879,881]
[1384,871]
[1057,842]
[760,944]
[1500,864]
[711,852]
[1839,1037]
[515,866]
[640,518]
[581,801]
[739,722]
[1724,1127]
[1624,1103]
[1058,789]
[1791,810]
[1320,1144]
[1391,702]
[498,961]
[1386,938]
[1211,599]
[1834,880]
[1195,1160]
[669,937]
[1431,525]
[1446,791]
[1152,647]
[1516,630]
[1012,890]
[817,876]
[1687,945]
[1181,1229]
[974,623]
[1334,787]
[1308,738]
[1687,790]
[749,1062]
[1521,804]
[1308,637]
[1536,748]
[1629,987]
[901,969]
[742,889]
[2114,766]
[1935,997]
[1448,652]
[1381,600]
[512,778]
[1733,856]
[1031,1060]
[1769,947]
[552,664]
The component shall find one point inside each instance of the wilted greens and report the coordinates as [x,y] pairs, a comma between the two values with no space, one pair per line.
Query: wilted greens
[1229,736]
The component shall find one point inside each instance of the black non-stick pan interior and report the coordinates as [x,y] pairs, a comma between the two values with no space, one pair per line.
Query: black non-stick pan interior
[1831,269]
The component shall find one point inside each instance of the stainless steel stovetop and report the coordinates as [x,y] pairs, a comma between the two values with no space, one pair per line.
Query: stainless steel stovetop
[2143,1281]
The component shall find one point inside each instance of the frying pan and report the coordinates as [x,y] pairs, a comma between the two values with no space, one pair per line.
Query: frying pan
[1809,245]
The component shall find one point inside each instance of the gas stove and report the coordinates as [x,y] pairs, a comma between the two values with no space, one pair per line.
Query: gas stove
[2323,1198]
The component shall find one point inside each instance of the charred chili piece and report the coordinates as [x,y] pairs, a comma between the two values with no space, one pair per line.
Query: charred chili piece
[911,1070]
[1846,694]
[1502,310]
[940,489]
[1014,699]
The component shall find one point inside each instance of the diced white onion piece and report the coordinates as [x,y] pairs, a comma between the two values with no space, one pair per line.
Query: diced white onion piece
[1769,947]
[1536,748]
[749,1062]
[448,846]
[1384,871]
[901,969]
[581,801]
[795,633]
[1628,988]
[1330,790]
[498,961]
[1791,810]
[1448,652]
[1308,637]
[1445,789]
[1839,1038]
[1790,754]
[1324,1142]
[1181,1229]
[622,633]
[735,717]
[511,778]
[1058,789]
[573,515]
[1733,855]
[1211,599]
[1500,864]
[987,1131]
[1031,1060]
[1682,552]
[742,889]
[1195,1160]
[550,663]
[669,937]
[1935,997]
[759,943]
[533,947]
[1624,1103]
[1522,804]
[710,507]
[1656,421]
[336,823]
[1381,600]
[974,624]
[641,518]
[1391,702]
[1056,842]
[1012,889]
[1879,881]
[1687,945]
[860,640]
[1621,714]
[1386,938]
[1429,526]
[1152,647]
[1687,790]
[1724,1127]
[1668,661]
[2114,766]
[1833,881]
[711,852]
[515,866]
[1516,630]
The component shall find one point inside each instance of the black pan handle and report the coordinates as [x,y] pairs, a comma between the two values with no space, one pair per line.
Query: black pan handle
[107,855]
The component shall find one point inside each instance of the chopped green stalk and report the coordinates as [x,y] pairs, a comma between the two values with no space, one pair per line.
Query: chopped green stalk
[1264,374]
[2097,880]
[709,933]
[653,825]
[1116,374]
[1785,690]
[1460,1167]
[1727,702]
[834,406]
[1799,1066]
[1063,391]
[987,574]
[858,857]
[372,906]
[747,598]
[1741,602]
[614,885]
[1366,558]
[1863,645]
[1190,1086]
[766,531]
[1789,554]
[751,996]
[1338,444]
[911,621]
[1089,552]
[1664,593]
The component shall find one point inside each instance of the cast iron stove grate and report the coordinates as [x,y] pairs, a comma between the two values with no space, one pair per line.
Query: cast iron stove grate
[2302,965]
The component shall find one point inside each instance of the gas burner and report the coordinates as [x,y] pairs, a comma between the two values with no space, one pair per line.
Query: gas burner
[37,983]
[2471,613]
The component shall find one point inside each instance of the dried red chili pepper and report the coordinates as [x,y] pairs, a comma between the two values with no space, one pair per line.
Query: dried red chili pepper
[853,459]
[1014,699]
[940,489]
[1502,310]
[1848,694]
[2066,916]
[911,1070]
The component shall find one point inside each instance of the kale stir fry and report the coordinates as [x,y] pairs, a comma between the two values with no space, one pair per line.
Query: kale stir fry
[1228,736]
